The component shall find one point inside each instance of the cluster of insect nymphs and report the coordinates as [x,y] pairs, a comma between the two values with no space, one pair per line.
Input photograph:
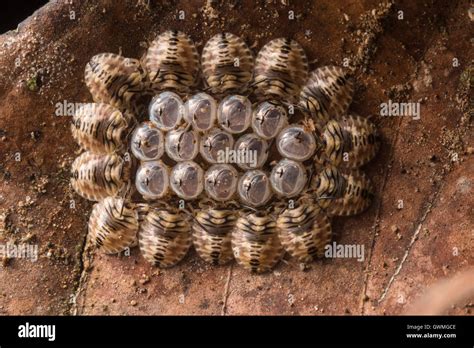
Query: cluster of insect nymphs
[155,136]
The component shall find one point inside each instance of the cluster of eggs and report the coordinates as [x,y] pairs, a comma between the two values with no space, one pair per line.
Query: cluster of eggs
[208,130]
[251,163]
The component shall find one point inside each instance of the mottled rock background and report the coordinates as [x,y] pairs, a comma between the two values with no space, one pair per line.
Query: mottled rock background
[428,163]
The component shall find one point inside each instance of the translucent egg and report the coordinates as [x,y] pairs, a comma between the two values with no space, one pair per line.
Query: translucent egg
[186,179]
[296,143]
[214,144]
[166,110]
[254,188]
[234,113]
[182,144]
[201,111]
[251,151]
[268,119]
[288,178]
[220,181]
[152,179]
[147,142]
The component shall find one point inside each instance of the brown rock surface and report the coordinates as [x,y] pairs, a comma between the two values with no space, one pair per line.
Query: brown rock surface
[425,163]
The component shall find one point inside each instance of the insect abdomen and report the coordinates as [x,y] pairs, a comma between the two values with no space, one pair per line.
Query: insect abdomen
[114,79]
[343,193]
[164,237]
[212,232]
[95,176]
[113,225]
[172,62]
[281,68]
[100,128]
[351,142]
[304,231]
[227,64]
[255,243]
[365,140]
[327,93]
[357,196]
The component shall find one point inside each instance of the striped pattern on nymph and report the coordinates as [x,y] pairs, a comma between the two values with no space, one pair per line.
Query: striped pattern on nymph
[327,93]
[255,242]
[101,128]
[304,231]
[357,197]
[365,140]
[164,237]
[212,231]
[113,225]
[227,64]
[351,142]
[95,177]
[114,79]
[328,184]
[342,193]
[281,69]
[172,62]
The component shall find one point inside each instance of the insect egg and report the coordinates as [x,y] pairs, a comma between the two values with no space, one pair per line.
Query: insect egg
[201,111]
[152,179]
[268,119]
[147,142]
[182,144]
[234,113]
[214,145]
[252,151]
[254,188]
[220,181]
[296,143]
[166,110]
[288,178]
[187,179]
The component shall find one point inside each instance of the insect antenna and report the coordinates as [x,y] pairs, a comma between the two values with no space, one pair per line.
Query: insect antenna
[250,208]
[190,213]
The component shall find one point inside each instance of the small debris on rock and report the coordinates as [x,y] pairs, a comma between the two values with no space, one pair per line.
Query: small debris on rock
[35,135]
[291,299]
[145,280]
[304,267]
